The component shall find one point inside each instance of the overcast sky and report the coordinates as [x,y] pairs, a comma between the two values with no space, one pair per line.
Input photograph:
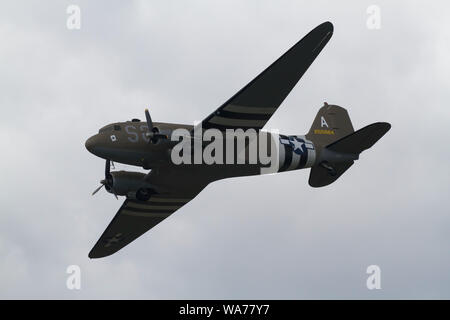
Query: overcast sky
[255,237]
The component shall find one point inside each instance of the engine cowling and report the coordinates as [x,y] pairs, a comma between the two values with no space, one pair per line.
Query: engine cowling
[131,184]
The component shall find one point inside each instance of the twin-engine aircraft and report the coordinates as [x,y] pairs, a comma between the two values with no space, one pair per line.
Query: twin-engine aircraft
[329,148]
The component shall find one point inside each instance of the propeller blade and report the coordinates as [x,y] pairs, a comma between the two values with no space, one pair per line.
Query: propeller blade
[149,121]
[108,181]
[153,134]
[96,190]
[107,168]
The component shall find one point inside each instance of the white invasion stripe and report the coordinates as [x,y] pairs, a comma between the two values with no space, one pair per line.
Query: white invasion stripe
[149,206]
[311,158]
[253,110]
[146,214]
[237,122]
[311,152]
[295,161]
[281,156]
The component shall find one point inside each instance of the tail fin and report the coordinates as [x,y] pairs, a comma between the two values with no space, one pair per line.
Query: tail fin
[339,146]
[331,123]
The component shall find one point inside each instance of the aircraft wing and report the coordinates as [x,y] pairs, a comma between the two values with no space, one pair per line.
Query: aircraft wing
[133,219]
[254,104]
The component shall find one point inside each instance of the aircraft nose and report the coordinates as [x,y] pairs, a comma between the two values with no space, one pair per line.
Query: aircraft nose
[91,144]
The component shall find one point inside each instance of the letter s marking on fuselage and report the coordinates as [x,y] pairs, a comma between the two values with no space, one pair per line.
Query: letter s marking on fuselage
[134,136]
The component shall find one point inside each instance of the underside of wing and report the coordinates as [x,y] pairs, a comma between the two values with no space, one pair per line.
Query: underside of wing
[254,104]
[133,219]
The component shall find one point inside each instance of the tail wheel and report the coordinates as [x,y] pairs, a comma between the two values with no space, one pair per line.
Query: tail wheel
[144,194]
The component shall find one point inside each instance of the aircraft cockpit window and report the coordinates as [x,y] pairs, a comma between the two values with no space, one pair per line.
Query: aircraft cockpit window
[105,129]
[116,127]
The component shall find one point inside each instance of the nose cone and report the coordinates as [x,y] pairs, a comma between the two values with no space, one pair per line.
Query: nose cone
[91,144]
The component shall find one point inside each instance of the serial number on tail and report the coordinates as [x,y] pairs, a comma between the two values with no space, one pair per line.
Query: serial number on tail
[322,131]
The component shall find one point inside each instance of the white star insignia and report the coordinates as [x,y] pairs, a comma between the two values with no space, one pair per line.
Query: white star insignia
[296,145]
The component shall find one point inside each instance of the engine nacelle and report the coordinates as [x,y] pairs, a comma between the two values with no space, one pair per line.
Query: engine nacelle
[131,184]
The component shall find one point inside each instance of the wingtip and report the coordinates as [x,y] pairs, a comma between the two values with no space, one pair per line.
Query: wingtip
[385,125]
[96,254]
[328,25]
[93,256]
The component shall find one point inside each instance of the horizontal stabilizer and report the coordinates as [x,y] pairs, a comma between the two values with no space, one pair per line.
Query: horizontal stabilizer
[338,156]
[360,140]
[320,176]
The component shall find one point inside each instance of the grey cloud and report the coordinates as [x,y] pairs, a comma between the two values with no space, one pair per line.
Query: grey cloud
[259,237]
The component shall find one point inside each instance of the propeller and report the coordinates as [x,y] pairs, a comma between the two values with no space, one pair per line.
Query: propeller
[153,133]
[108,181]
